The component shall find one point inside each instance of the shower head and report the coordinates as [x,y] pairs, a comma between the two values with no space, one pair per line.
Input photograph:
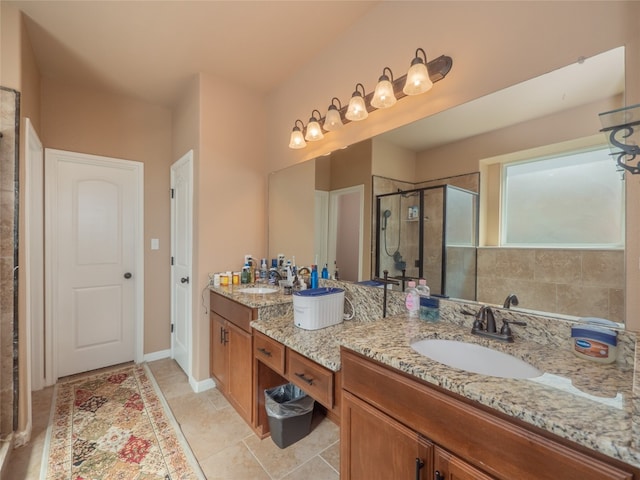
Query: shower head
[386,214]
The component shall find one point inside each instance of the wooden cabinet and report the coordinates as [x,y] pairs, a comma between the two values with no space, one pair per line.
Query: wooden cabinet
[449,467]
[275,364]
[231,356]
[469,441]
[367,432]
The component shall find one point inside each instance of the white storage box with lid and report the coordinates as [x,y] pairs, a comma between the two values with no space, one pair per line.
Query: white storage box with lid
[318,308]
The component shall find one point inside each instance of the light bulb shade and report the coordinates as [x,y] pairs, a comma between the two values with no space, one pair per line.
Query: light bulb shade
[314,132]
[333,121]
[418,80]
[297,139]
[383,96]
[357,110]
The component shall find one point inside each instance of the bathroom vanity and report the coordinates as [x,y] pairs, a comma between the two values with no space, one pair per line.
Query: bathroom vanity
[403,415]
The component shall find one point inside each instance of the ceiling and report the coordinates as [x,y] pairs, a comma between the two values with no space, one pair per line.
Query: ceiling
[149,49]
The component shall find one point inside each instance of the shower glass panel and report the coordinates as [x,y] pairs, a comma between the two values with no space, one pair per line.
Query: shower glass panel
[429,233]
[461,242]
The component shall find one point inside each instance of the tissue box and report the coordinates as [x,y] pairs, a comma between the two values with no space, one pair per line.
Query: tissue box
[318,308]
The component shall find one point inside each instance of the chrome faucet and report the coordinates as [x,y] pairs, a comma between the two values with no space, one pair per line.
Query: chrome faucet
[485,324]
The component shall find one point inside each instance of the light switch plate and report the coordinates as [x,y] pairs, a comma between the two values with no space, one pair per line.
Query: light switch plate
[155,244]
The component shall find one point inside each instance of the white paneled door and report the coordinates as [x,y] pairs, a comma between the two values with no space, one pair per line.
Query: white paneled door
[94,225]
[181,240]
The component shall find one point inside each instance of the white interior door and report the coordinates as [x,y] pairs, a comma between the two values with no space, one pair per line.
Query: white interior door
[181,254]
[94,225]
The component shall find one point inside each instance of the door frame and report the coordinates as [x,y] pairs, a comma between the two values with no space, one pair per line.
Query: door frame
[334,196]
[50,210]
[188,159]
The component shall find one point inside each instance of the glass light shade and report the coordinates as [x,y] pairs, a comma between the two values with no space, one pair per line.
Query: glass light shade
[314,132]
[418,80]
[297,139]
[383,96]
[333,121]
[357,109]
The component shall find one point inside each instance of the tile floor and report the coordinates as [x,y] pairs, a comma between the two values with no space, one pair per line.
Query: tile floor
[223,443]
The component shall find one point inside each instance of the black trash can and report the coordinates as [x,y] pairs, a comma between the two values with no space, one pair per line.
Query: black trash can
[289,410]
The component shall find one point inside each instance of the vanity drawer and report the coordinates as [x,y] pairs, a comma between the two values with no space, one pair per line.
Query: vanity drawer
[269,351]
[314,379]
[236,313]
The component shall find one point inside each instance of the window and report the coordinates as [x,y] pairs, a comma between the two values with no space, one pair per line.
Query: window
[570,200]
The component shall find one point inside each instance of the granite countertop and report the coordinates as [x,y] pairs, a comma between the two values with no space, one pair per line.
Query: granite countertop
[591,404]
[253,300]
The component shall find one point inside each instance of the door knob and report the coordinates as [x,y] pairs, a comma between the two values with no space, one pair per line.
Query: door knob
[127,275]
[184,280]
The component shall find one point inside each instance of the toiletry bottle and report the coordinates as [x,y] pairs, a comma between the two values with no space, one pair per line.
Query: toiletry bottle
[412,299]
[336,272]
[325,271]
[263,271]
[424,293]
[244,277]
[314,276]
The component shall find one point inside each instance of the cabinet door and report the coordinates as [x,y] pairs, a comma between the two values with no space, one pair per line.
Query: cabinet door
[450,467]
[218,355]
[374,446]
[240,379]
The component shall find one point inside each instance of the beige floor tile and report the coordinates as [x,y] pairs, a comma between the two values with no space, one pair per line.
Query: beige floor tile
[166,367]
[316,469]
[233,463]
[191,405]
[211,431]
[332,456]
[217,398]
[25,462]
[279,462]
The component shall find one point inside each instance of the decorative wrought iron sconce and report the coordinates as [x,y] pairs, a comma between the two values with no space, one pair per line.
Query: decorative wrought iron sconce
[622,127]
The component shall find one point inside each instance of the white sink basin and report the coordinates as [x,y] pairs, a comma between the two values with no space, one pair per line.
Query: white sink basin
[258,290]
[475,358]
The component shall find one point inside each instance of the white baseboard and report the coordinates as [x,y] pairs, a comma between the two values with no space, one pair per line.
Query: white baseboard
[153,356]
[202,385]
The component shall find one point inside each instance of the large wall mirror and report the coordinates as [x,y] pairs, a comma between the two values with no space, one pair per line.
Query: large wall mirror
[469,147]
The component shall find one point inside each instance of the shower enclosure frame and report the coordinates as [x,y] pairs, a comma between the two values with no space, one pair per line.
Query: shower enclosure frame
[420,192]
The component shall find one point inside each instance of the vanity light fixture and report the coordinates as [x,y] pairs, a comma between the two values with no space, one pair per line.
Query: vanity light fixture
[333,120]
[622,127]
[297,139]
[314,131]
[357,109]
[384,97]
[418,80]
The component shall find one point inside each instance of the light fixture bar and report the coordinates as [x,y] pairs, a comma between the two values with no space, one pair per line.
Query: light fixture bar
[438,69]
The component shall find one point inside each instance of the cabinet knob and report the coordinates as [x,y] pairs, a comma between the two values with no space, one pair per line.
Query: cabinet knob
[438,475]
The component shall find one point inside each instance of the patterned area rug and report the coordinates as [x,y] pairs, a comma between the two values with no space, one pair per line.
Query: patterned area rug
[115,426]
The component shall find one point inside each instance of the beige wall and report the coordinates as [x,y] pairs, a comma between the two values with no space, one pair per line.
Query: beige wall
[230,192]
[520,40]
[389,160]
[98,123]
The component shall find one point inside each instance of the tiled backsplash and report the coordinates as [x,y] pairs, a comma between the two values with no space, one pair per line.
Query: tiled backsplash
[581,283]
